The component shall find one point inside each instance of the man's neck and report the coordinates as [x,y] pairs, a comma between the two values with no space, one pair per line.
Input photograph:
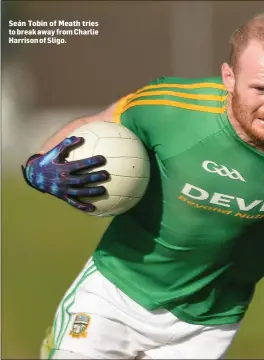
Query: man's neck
[239,129]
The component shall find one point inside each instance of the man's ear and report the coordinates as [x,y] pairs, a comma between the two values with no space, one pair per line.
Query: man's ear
[228,77]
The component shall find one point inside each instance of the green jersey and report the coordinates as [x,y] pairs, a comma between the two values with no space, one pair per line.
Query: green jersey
[194,244]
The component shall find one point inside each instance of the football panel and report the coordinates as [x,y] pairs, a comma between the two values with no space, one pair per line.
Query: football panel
[102,129]
[118,147]
[110,129]
[124,204]
[125,186]
[113,205]
[128,167]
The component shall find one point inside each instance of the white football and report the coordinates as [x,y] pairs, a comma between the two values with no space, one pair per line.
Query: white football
[127,162]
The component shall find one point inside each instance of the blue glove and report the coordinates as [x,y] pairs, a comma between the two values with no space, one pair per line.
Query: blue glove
[51,173]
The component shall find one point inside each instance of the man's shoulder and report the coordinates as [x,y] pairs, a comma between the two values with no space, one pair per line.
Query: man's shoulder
[166,98]
[180,93]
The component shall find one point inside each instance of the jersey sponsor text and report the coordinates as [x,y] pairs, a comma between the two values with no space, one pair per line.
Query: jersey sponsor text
[223,200]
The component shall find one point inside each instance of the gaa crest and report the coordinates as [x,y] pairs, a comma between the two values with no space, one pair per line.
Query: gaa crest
[80,326]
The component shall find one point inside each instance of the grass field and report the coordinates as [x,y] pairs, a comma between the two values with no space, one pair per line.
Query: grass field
[44,245]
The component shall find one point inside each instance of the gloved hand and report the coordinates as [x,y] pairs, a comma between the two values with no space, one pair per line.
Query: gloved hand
[51,173]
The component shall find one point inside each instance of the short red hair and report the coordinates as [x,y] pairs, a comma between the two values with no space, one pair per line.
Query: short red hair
[253,29]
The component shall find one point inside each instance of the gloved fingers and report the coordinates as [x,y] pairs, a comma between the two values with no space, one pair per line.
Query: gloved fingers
[93,177]
[87,207]
[88,163]
[87,191]
[61,151]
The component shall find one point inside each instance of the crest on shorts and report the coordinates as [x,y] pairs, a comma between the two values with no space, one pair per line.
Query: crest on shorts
[80,326]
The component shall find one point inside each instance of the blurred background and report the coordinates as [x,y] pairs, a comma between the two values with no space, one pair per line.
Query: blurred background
[44,242]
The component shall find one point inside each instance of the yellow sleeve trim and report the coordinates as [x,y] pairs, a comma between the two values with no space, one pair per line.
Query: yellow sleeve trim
[120,108]
[210,109]
[204,97]
[184,86]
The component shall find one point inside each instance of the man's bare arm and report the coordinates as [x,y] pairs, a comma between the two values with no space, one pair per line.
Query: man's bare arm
[105,115]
